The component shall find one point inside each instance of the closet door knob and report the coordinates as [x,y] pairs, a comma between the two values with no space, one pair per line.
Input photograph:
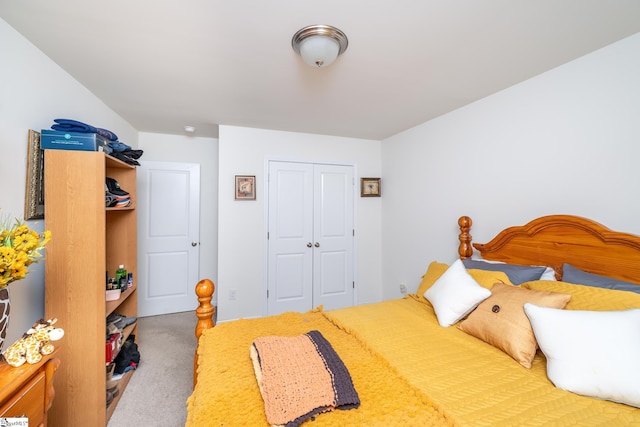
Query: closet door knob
[194,244]
[317,245]
[308,244]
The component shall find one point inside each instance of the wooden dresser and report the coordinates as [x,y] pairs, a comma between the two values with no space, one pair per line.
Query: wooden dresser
[28,390]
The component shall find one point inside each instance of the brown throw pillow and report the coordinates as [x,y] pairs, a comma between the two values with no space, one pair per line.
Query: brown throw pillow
[500,320]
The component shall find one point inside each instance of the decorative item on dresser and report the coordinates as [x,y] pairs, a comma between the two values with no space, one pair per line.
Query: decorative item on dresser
[34,344]
[20,247]
[28,390]
[5,310]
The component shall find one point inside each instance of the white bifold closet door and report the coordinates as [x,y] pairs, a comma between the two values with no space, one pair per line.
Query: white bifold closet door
[310,236]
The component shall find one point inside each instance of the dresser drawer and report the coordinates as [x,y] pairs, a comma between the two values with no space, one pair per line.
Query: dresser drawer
[29,401]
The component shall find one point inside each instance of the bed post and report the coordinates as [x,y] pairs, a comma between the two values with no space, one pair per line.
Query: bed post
[465,250]
[204,312]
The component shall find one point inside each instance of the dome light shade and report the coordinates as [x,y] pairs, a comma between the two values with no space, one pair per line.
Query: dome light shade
[319,51]
[319,45]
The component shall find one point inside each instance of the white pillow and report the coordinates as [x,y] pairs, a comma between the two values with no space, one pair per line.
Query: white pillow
[592,353]
[455,294]
[549,274]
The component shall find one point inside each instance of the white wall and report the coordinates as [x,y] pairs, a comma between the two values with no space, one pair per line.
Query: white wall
[564,142]
[204,151]
[242,231]
[33,92]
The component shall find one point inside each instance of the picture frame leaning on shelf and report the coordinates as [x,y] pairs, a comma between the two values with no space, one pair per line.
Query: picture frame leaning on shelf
[34,193]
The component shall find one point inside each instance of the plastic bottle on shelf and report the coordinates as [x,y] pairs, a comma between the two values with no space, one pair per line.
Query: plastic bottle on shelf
[121,277]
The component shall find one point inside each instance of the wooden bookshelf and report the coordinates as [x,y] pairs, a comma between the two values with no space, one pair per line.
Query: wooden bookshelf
[88,242]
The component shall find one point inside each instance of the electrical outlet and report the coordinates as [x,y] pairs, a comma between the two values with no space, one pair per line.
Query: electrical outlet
[232,294]
[403,288]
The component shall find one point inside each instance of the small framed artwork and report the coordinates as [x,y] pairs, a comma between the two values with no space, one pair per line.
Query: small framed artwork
[245,187]
[34,194]
[370,187]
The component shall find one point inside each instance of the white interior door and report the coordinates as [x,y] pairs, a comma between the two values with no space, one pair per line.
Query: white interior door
[310,256]
[168,236]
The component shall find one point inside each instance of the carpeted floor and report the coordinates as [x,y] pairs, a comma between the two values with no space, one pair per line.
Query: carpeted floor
[157,393]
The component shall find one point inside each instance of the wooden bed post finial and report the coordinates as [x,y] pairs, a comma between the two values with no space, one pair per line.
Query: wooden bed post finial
[204,313]
[465,250]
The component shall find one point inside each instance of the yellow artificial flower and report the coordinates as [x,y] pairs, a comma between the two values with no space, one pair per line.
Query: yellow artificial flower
[19,247]
[25,242]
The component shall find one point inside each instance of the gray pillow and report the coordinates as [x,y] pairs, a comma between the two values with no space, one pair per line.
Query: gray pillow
[571,274]
[518,274]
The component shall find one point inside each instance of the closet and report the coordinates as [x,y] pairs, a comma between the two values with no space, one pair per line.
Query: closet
[310,236]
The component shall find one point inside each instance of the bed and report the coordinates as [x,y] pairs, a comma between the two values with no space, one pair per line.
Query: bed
[428,359]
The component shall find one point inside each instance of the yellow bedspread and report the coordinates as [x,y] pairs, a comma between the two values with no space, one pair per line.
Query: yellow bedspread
[227,393]
[407,370]
[475,383]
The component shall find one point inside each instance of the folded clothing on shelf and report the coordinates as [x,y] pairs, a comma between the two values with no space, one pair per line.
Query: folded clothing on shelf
[68,125]
[128,156]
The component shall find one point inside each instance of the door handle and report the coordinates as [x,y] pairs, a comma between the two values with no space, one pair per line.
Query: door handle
[194,243]
[308,244]
[317,245]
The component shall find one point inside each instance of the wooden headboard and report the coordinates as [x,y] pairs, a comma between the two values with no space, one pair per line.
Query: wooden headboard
[556,239]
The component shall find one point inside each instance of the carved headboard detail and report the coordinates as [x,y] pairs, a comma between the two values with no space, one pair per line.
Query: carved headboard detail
[556,239]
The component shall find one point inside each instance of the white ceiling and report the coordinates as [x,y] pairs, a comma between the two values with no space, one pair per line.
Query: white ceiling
[164,64]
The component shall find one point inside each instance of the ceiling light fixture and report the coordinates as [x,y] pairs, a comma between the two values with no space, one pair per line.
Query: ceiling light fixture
[319,45]
[189,129]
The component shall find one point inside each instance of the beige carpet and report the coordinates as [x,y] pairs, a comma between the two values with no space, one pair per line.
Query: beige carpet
[158,390]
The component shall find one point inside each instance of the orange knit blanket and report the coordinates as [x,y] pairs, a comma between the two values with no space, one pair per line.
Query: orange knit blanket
[300,377]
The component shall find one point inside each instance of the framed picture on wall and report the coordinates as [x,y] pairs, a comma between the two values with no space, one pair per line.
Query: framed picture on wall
[245,187]
[370,187]
[34,194]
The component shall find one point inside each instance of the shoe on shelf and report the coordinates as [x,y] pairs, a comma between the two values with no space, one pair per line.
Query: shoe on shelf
[114,327]
[118,319]
[114,388]
[112,394]
[110,367]
[112,385]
